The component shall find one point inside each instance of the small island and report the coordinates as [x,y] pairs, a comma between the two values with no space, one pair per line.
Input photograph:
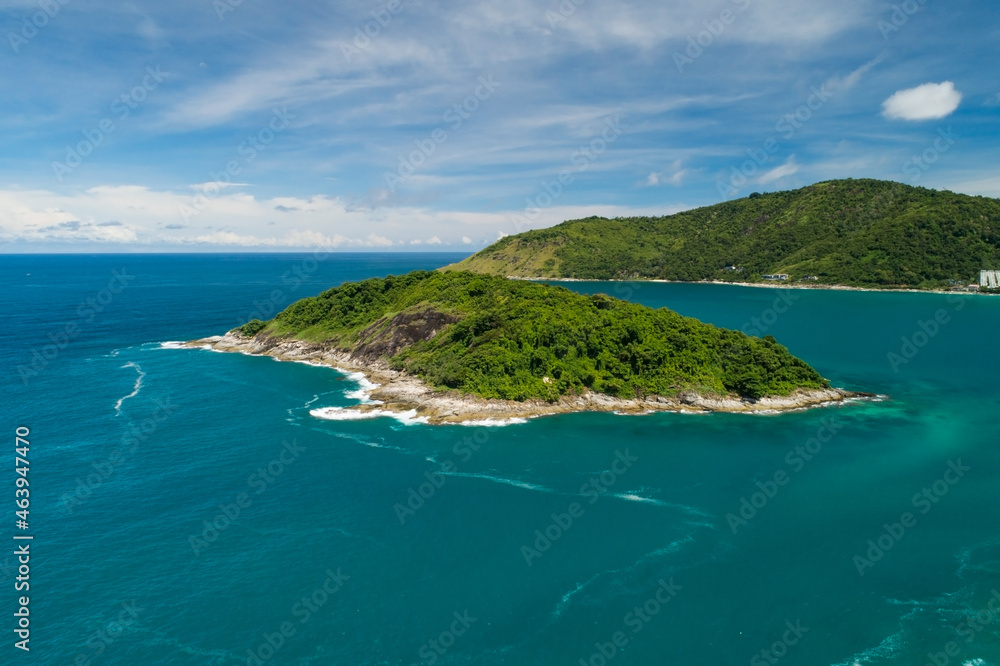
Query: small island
[458,347]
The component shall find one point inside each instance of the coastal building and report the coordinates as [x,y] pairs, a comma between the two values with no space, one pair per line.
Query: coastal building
[989,279]
[776,276]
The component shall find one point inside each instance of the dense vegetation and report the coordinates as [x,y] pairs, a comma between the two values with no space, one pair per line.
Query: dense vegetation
[512,339]
[852,232]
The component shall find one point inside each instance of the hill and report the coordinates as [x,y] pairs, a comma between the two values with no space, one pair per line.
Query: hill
[864,233]
[503,339]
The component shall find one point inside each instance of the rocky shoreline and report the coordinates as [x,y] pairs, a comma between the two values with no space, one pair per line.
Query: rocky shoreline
[398,392]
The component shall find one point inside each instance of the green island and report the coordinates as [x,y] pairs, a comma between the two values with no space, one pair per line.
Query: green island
[856,233]
[497,339]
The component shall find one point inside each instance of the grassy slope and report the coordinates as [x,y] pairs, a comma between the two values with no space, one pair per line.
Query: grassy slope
[852,232]
[506,337]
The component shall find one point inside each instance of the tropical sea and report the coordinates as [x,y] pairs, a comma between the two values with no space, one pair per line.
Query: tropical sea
[186,507]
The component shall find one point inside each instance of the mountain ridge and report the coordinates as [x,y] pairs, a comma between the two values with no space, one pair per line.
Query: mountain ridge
[858,233]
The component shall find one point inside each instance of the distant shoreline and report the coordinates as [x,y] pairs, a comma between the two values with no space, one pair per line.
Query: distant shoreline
[766,285]
[395,393]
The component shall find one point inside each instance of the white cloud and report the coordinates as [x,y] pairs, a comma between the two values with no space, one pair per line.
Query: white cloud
[149,219]
[926,102]
[789,168]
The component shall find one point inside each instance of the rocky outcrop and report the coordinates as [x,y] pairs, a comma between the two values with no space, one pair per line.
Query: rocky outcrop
[387,337]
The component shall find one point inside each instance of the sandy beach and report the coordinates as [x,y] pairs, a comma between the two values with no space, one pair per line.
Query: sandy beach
[769,285]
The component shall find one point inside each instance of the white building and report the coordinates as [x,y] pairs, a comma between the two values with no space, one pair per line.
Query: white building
[989,279]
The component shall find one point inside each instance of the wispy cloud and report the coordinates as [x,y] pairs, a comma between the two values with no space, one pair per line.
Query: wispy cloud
[789,168]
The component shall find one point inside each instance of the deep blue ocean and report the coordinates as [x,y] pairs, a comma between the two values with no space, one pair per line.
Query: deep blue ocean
[186,508]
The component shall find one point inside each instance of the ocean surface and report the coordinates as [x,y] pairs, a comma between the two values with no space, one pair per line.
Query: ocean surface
[188,507]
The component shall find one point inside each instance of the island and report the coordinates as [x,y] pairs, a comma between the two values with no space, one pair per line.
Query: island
[458,346]
[868,234]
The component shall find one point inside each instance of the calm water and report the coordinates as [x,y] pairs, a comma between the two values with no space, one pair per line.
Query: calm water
[187,509]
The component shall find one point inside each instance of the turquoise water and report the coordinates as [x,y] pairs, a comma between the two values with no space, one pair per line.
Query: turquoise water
[588,537]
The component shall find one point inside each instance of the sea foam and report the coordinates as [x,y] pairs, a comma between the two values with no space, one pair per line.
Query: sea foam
[135,388]
[346,414]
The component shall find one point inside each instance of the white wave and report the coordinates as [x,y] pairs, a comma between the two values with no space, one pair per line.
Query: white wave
[346,414]
[493,423]
[361,379]
[313,364]
[634,496]
[629,497]
[565,600]
[377,445]
[887,649]
[363,393]
[135,388]
[517,483]
[173,344]
[669,549]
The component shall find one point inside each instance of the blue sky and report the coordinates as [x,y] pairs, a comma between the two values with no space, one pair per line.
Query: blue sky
[432,125]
